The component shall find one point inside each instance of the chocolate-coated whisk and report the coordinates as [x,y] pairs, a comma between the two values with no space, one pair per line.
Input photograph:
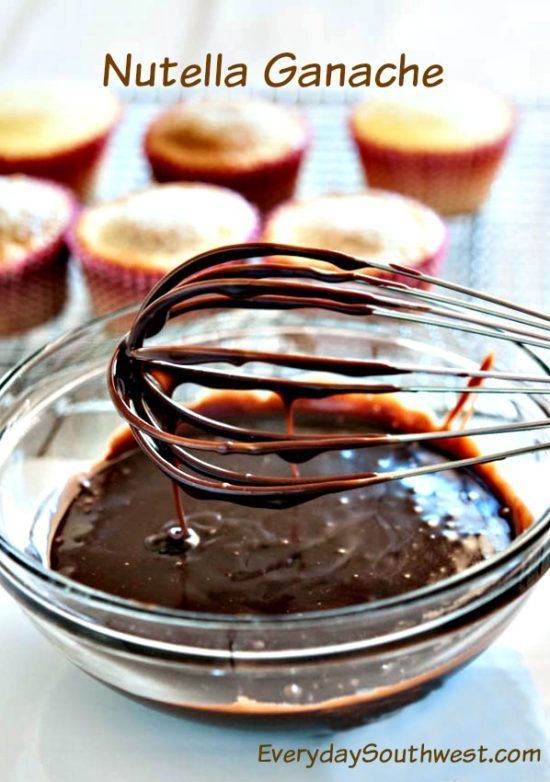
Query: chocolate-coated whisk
[144,377]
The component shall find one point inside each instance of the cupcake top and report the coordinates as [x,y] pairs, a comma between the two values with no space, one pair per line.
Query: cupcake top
[454,116]
[156,229]
[42,120]
[374,224]
[228,133]
[33,213]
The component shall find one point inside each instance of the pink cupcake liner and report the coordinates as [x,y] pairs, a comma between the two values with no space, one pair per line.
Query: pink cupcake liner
[113,286]
[450,182]
[266,184]
[34,289]
[74,168]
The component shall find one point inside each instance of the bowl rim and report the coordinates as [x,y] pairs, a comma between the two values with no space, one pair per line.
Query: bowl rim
[119,604]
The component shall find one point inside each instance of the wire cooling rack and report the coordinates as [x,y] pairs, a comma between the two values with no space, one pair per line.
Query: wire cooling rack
[502,249]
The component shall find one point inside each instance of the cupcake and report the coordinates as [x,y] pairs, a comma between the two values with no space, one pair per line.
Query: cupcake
[373,224]
[443,146]
[34,216]
[56,131]
[252,146]
[125,246]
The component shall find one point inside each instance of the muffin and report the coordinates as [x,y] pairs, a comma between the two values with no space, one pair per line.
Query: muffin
[443,146]
[252,146]
[56,131]
[125,246]
[34,217]
[373,224]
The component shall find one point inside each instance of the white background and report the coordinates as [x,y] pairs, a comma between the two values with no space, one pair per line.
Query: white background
[502,43]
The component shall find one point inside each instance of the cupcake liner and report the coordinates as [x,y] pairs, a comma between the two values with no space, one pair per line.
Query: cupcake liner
[266,184]
[112,286]
[429,264]
[450,182]
[34,298]
[75,167]
[34,289]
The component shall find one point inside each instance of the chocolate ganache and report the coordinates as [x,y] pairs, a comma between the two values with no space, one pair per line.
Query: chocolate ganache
[121,533]
[326,528]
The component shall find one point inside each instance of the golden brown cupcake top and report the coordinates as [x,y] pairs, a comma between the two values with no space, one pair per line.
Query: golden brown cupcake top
[373,224]
[156,229]
[214,133]
[452,117]
[32,214]
[41,120]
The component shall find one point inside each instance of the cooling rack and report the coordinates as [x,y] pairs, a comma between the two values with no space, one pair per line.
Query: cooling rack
[502,249]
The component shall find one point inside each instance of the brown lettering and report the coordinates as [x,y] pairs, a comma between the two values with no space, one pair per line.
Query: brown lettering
[404,69]
[433,76]
[378,77]
[110,63]
[310,76]
[289,71]
[236,75]
[191,76]
[360,75]
[340,69]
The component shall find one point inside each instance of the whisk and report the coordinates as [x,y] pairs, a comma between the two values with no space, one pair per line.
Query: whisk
[182,440]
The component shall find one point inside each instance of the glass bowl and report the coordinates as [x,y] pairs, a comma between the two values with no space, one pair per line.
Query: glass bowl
[336,667]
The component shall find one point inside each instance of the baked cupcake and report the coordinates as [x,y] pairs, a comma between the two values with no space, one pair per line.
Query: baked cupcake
[443,146]
[34,217]
[56,131]
[373,224]
[252,146]
[125,246]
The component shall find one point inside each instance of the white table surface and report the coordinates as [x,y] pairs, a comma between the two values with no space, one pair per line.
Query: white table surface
[59,725]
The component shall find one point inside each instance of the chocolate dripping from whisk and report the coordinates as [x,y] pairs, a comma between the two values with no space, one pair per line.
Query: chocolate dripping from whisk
[464,408]
[349,269]
[231,284]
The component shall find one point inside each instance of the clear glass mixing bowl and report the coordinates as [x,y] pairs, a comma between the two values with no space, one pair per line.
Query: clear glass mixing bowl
[336,667]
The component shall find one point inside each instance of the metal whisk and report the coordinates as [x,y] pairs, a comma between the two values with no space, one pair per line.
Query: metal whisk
[180,438]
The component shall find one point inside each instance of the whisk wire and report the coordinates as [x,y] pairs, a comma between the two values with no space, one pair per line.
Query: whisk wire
[145,377]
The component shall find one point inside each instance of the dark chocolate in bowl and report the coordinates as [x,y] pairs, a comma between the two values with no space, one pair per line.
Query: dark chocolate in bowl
[121,533]
[267,656]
